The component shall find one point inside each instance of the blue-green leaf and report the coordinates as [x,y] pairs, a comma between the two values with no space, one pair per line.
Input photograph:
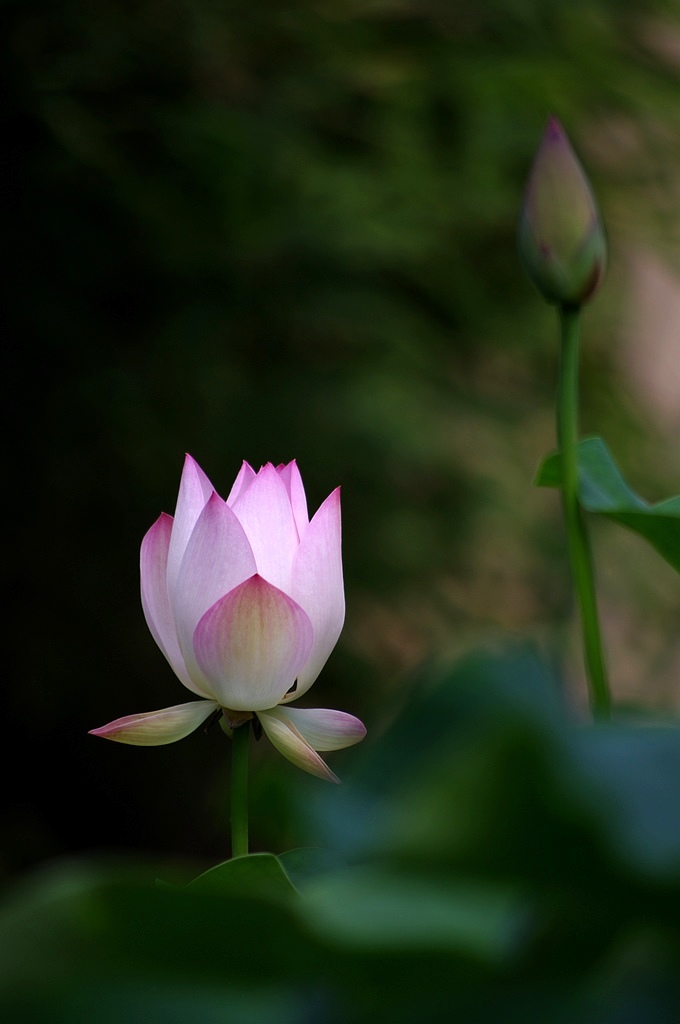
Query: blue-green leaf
[370,908]
[304,864]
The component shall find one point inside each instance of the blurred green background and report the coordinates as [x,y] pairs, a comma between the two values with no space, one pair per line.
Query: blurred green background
[271,231]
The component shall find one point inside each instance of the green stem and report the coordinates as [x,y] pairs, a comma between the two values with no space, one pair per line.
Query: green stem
[577,537]
[239,790]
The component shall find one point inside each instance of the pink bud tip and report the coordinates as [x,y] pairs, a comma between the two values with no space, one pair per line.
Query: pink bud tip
[561,239]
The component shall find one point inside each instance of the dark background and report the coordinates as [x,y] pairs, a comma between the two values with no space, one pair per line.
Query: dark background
[271,232]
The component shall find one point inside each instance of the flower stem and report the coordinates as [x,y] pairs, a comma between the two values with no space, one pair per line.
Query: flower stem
[577,537]
[239,790]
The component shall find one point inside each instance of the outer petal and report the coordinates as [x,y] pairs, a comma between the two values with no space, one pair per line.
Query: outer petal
[251,645]
[289,742]
[194,491]
[155,603]
[218,558]
[245,477]
[155,728]
[322,728]
[290,475]
[265,513]
[317,586]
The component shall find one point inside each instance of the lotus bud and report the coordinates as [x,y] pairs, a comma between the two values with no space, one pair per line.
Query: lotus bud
[561,239]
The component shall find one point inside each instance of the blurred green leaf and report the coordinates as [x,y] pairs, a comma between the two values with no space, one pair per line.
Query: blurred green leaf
[259,874]
[630,775]
[453,738]
[77,932]
[489,770]
[386,910]
[307,863]
[509,863]
[603,490]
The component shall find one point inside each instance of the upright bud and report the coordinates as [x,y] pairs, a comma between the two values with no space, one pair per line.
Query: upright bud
[561,239]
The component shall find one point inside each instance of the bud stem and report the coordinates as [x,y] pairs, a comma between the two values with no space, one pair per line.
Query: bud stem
[577,538]
[239,790]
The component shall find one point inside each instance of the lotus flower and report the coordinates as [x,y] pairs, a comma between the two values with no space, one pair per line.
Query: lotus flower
[561,239]
[245,599]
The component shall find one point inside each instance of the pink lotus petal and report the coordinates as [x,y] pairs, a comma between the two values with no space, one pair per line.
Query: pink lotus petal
[194,491]
[289,742]
[317,586]
[265,513]
[155,600]
[242,482]
[322,728]
[218,558]
[290,475]
[155,728]
[251,645]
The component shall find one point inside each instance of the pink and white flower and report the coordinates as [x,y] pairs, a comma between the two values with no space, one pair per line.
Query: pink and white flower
[245,599]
